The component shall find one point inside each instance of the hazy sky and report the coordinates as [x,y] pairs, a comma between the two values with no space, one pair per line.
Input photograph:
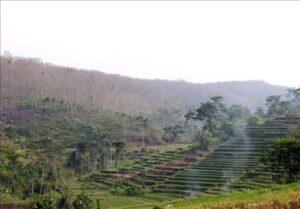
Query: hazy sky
[193,41]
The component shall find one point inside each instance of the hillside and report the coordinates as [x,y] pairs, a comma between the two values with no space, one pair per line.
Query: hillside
[234,165]
[68,134]
[30,78]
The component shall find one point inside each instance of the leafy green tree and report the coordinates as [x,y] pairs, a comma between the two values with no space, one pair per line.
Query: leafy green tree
[273,104]
[283,158]
[12,169]
[119,148]
[174,130]
[20,172]
[276,106]
[48,153]
[294,95]
[260,112]
[142,121]
[254,120]
[204,144]
[77,160]
[211,113]
[238,115]
[238,112]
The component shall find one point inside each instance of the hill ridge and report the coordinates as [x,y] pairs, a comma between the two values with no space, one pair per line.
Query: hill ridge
[31,78]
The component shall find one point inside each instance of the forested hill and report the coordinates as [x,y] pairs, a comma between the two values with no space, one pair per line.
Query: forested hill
[31,78]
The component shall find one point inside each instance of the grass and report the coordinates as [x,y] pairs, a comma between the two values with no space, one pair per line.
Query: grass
[7,198]
[228,162]
[159,148]
[129,164]
[108,201]
[278,192]
[121,202]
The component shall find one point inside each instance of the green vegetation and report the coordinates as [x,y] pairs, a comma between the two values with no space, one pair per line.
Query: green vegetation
[82,201]
[282,157]
[218,121]
[234,200]
[71,153]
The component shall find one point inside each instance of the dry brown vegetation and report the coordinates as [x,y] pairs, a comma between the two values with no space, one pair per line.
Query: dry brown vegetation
[292,203]
[31,78]
[287,202]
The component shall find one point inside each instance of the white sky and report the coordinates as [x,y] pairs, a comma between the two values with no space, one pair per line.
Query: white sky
[195,41]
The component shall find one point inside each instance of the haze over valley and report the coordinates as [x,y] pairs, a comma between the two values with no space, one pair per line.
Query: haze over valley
[150,105]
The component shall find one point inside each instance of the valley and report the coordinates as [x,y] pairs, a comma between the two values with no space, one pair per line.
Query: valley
[61,151]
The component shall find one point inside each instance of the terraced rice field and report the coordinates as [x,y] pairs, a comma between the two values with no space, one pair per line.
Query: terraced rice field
[150,171]
[234,165]
[225,164]
[166,165]
[227,168]
[140,173]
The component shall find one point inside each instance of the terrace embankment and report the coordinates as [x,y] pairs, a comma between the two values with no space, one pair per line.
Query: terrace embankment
[234,165]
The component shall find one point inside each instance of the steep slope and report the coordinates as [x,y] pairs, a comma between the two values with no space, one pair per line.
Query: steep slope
[235,165]
[216,171]
[31,78]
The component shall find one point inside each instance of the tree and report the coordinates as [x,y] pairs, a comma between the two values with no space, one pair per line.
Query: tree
[119,148]
[174,130]
[12,169]
[276,106]
[294,95]
[47,154]
[238,112]
[20,172]
[260,112]
[77,160]
[273,104]
[253,120]
[211,113]
[142,123]
[282,157]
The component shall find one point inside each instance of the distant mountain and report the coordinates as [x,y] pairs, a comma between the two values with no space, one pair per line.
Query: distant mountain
[31,78]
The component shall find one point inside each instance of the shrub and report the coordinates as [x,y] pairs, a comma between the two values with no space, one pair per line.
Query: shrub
[135,191]
[63,202]
[254,120]
[98,204]
[158,207]
[82,201]
[43,202]
[282,158]
[117,191]
[205,142]
[124,188]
